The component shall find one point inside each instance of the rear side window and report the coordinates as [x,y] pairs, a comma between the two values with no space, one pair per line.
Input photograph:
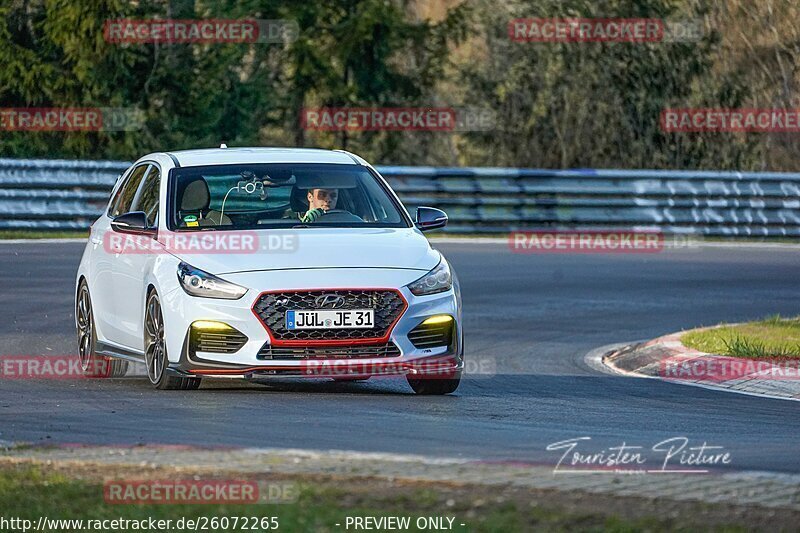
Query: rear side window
[147,199]
[124,198]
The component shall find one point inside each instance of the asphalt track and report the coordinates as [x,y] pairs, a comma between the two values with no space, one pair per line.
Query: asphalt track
[533,316]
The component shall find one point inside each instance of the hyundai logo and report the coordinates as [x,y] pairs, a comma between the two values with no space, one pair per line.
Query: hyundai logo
[331,301]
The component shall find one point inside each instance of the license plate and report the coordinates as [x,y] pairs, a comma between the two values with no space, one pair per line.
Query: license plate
[328,319]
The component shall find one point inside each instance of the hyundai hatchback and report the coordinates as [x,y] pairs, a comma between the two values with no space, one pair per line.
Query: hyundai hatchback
[266,262]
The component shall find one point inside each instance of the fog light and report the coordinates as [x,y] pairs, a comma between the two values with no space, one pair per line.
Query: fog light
[210,325]
[433,332]
[437,319]
[216,337]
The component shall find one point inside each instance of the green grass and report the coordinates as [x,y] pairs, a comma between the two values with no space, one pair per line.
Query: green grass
[7,234]
[772,337]
[29,492]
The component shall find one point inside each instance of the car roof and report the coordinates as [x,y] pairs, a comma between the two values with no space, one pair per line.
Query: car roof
[232,156]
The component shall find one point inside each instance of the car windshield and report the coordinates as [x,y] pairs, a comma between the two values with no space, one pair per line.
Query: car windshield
[255,196]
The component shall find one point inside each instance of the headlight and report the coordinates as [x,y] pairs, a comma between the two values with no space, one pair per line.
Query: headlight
[437,280]
[198,283]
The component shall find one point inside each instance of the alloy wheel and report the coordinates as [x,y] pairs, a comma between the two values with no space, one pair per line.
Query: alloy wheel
[83,313]
[155,354]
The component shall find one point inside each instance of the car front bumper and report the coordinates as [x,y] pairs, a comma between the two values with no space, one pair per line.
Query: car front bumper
[183,310]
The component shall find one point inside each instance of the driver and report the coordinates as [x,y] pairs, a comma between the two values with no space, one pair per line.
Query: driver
[320,201]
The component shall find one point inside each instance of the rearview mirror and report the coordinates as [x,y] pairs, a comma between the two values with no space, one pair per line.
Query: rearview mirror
[429,218]
[134,222]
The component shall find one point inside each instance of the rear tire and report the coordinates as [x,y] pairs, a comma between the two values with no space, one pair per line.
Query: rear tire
[155,353]
[92,364]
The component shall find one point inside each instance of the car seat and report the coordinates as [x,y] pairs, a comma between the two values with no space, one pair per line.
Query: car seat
[298,200]
[195,201]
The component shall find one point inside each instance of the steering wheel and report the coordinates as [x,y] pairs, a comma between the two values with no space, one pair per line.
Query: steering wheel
[339,215]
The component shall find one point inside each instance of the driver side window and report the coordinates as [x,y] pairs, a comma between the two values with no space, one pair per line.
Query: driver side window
[147,199]
[124,199]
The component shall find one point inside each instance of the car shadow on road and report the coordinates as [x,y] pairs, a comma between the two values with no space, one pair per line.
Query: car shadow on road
[373,386]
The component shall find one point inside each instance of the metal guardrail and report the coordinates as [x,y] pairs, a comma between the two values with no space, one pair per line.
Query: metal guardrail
[60,194]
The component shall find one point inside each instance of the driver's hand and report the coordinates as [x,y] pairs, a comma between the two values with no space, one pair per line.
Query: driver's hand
[312,215]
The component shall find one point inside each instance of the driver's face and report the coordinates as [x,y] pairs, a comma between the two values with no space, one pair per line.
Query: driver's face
[324,199]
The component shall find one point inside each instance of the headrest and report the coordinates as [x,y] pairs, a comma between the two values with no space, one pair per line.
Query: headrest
[195,196]
[298,200]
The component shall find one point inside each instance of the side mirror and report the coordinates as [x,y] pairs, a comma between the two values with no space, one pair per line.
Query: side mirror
[429,218]
[134,222]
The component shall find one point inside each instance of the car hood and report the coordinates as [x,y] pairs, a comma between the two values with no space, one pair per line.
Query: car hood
[305,248]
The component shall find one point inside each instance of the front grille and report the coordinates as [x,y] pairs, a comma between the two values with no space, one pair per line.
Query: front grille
[431,335]
[272,307]
[269,352]
[225,341]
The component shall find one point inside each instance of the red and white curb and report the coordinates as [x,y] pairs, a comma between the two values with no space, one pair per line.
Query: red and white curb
[648,359]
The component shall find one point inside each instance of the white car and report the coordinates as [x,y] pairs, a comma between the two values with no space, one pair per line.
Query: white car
[259,262]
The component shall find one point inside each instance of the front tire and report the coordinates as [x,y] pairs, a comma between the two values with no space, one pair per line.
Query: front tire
[435,386]
[155,352]
[445,384]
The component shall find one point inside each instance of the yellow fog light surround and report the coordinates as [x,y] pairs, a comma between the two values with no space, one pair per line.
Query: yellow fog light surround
[433,332]
[215,337]
[211,325]
[437,319]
